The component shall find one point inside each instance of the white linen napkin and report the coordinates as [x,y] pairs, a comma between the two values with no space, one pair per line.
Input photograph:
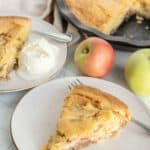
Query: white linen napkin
[70,29]
[36,8]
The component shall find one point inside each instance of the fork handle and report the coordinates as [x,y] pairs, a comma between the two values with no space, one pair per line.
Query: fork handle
[57,36]
[145,127]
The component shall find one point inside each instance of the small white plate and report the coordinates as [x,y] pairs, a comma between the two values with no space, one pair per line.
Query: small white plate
[16,83]
[36,115]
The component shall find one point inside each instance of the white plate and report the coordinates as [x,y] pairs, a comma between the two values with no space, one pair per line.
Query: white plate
[35,117]
[16,83]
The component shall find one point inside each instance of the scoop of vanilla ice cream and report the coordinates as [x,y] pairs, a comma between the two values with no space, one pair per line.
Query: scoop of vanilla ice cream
[37,58]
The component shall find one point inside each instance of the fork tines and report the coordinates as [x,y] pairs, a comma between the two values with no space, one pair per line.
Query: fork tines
[74,83]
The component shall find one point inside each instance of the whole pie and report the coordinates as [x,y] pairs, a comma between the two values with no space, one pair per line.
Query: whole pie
[88,115]
[107,15]
[13,33]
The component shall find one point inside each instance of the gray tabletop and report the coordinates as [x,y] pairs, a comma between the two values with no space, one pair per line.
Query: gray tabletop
[8,101]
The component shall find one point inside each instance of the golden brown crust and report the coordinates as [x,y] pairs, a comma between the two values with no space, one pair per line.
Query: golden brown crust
[106,100]
[13,33]
[16,19]
[88,115]
[107,15]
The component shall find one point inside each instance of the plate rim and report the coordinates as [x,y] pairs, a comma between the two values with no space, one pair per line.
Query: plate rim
[57,80]
[34,86]
[68,15]
[47,78]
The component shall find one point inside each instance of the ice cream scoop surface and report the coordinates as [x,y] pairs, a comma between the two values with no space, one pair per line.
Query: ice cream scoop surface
[36,59]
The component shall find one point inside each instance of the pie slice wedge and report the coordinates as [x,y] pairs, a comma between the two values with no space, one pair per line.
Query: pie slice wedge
[13,33]
[88,115]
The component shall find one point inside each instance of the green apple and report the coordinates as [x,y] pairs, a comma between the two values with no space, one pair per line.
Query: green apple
[137,72]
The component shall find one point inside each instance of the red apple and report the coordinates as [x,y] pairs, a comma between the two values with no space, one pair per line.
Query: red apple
[94,57]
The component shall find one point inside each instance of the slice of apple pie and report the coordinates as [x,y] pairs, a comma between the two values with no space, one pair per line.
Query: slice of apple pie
[88,116]
[13,33]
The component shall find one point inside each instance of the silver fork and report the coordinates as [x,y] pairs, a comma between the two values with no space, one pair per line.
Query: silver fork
[139,123]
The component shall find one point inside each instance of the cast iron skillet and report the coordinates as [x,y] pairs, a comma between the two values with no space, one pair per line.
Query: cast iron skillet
[129,36]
